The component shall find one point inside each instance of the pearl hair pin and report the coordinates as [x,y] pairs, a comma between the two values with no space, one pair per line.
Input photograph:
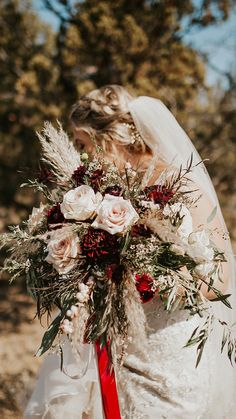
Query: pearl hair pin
[134,134]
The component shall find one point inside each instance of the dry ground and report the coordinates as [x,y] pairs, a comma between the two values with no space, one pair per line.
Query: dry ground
[19,339]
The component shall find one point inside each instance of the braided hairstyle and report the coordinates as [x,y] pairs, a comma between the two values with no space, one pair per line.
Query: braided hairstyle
[104,115]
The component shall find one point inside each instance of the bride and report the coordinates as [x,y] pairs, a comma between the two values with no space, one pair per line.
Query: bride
[160,381]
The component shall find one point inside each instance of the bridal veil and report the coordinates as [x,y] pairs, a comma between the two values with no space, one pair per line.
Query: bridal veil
[165,137]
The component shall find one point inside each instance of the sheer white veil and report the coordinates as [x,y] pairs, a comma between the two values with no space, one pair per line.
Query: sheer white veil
[164,136]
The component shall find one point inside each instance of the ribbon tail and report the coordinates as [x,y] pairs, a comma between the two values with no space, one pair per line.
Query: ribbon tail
[108,384]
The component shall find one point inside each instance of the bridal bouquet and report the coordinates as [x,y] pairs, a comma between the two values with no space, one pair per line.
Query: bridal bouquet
[104,242]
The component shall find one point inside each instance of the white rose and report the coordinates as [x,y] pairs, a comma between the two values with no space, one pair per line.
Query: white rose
[204,269]
[199,246]
[63,250]
[186,226]
[36,217]
[80,203]
[115,215]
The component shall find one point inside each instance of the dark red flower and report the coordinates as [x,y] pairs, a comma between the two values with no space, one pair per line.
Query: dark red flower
[115,272]
[79,175]
[159,194]
[144,285]
[45,176]
[54,215]
[114,190]
[140,230]
[95,179]
[98,245]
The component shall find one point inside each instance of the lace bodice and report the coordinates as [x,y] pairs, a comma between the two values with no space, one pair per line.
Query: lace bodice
[162,382]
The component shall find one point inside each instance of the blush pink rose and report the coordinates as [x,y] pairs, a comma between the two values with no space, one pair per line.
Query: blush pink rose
[115,215]
[63,250]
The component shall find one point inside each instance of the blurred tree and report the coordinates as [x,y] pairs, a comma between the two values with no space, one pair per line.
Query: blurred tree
[139,43]
[214,132]
[28,94]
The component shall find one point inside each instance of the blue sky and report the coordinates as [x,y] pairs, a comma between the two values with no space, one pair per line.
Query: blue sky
[219,42]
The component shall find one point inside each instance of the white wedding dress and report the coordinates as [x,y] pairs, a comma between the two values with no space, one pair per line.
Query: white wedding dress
[160,381]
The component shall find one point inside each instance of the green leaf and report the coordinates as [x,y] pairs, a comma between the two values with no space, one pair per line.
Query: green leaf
[126,243]
[193,341]
[212,215]
[200,351]
[224,340]
[50,335]
[190,340]
[230,351]
[223,299]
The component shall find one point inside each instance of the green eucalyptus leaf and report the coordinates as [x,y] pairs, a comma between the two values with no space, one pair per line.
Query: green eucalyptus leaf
[224,340]
[50,335]
[200,351]
[223,299]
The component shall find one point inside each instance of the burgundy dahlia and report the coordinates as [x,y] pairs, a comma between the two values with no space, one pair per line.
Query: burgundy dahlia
[95,179]
[45,176]
[98,245]
[79,175]
[144,285]
[54,215]
[159,194]
[114,190]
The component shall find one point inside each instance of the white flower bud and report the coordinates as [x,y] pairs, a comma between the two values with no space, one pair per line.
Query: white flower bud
[84,156]
[69,313]
[67,327]
[74,310]
[82,297]
[83,288]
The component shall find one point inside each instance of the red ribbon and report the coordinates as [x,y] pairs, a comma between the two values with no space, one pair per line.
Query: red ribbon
[108,384]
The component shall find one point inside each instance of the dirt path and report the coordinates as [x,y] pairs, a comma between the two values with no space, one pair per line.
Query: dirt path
[19,339]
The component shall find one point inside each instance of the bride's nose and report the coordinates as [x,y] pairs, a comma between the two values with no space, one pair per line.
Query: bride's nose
[83,140]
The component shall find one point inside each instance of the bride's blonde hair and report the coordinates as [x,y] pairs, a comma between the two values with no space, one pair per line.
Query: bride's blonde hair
[104,115]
